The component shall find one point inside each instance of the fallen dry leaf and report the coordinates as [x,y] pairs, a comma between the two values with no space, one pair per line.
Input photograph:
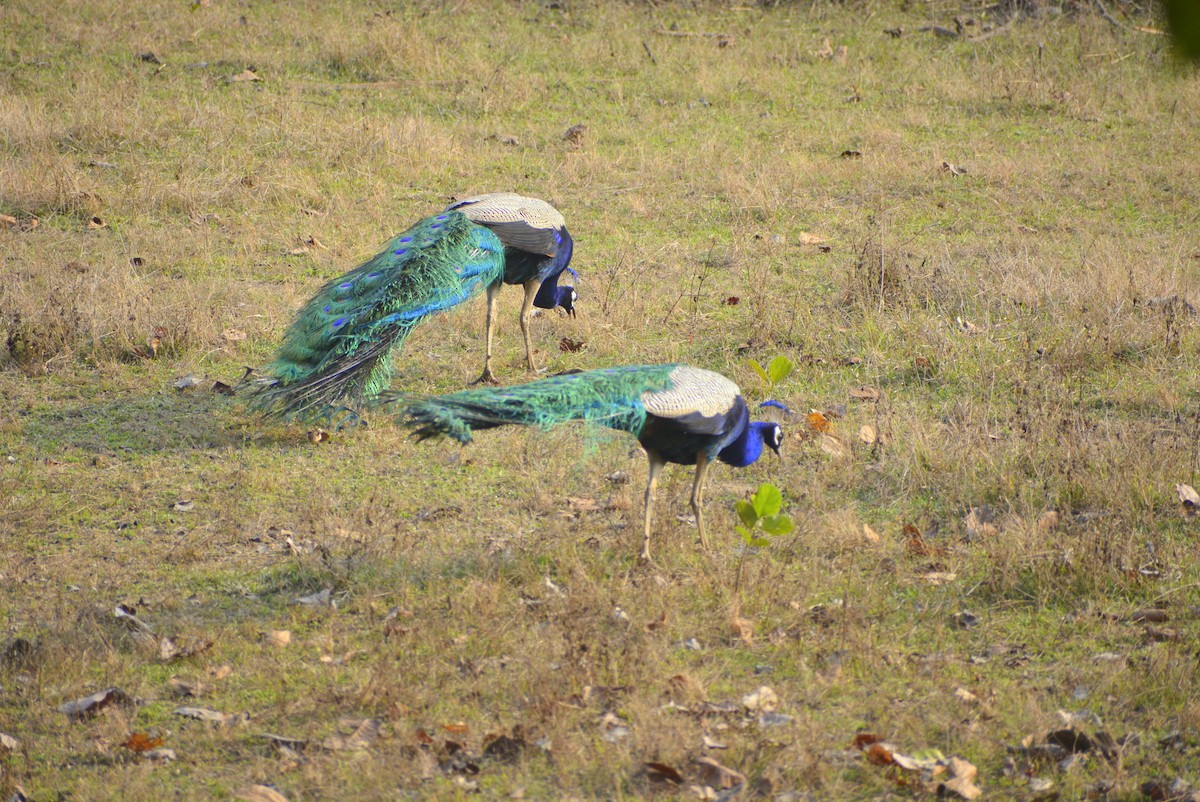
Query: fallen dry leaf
[363,736]
[260,793]
[865,393]
[88,706]
[954,169]
[278,637]
[865,739]
[208,714]
[834,446]
[318,435]
[8,743]
[233,335]
[961,781]
[870,534]
[939,577]
[185,688]
[764,699]
[570,346]
[580,504]
[879,754]
[245,75]
[818,422]
[743,628]
[505,748]
[661,772]
[980,522]
[1188,497]
[141,742]
[809,239]
[173,649]
[714,775]
[868,434]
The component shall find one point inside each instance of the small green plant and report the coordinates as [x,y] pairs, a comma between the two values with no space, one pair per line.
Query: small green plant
[761,517]
[775,372]
[761,520]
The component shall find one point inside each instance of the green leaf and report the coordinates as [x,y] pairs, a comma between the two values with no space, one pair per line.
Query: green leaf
[758,542]
[747,536]
[777,524]
[759,370]
[779,369]
[747,513]
[768,500]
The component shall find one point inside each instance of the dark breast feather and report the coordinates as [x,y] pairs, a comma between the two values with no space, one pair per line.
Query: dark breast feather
[680,439]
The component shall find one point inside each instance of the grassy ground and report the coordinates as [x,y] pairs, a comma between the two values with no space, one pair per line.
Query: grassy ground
[1026,323]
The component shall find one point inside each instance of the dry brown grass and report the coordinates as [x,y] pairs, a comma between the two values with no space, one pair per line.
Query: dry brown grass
[1026,324]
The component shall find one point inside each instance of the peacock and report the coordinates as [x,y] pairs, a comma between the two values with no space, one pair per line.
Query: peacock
[537,249]
[336,355]
[678,413]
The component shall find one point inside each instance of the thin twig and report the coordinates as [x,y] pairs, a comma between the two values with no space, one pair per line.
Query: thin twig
[378,84]
[707,34]
[1104,13]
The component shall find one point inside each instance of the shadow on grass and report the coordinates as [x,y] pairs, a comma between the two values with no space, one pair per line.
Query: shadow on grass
[153,424]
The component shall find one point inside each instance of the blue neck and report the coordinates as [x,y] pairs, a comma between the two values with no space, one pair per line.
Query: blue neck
[550,295]
[747,448]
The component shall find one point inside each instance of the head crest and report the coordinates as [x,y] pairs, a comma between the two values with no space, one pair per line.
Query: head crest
[777,405]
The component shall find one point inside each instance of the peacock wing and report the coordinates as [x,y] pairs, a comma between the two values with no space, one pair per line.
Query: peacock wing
[698,401]
[527,224]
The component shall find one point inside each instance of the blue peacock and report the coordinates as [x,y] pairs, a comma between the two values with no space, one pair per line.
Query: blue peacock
[678,413]
[337,353]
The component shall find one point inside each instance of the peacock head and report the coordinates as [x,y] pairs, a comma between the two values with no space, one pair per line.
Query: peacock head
[566,299]
[772,435]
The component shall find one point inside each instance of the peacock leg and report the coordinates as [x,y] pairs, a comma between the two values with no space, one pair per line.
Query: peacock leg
[493,294]
[702,463]
[531,288]
[656,465]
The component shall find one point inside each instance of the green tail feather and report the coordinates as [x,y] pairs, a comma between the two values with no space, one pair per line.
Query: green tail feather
[611,397]
[337,352]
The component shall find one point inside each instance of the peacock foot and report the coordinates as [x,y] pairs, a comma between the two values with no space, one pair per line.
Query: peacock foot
[486,378]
